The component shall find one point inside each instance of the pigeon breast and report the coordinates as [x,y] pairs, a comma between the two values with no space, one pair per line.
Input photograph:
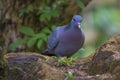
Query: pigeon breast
[70,42]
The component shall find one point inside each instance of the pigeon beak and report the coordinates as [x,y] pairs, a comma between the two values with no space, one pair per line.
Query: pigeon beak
[78,25]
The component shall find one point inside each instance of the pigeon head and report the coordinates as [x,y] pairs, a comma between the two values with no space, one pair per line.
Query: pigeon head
[76,20]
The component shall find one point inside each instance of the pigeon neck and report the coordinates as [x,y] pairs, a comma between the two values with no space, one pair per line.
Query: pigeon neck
[70,27]
[73,26]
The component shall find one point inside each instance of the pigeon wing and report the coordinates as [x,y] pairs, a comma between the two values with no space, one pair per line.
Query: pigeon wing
[53,39]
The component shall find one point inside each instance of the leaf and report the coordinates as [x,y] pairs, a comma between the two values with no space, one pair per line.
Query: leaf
[40,35]
[80,4]
[31,42]
[45,16]
[14,45]
[29,9]
[40,43]
[46,31]
[53,27]
[48,16]
[55,13]
[45,39]
[25,10]
[27,31]
[39,12]
[21,13]
[42,17]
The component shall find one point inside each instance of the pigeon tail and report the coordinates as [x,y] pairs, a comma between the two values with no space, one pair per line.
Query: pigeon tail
[48,53]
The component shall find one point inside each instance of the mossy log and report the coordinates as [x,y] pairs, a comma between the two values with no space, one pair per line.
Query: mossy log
[103,65]
[3,66]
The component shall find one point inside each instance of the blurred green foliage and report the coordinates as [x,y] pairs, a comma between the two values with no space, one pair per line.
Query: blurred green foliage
[45,16]
[80,4]
[69,76]
[47,13]
[23,11]
[105,22]
[32,39]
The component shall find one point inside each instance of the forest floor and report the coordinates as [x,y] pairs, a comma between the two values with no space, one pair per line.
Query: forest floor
[104,64]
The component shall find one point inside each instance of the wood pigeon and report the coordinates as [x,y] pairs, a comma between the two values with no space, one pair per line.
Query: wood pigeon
[64,41]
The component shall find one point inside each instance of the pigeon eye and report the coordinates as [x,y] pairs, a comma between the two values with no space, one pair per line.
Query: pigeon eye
[74,20]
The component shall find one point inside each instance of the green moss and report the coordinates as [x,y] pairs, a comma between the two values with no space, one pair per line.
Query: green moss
[66,61]
[3,66]
[112,64]
[118,77]
[17,73]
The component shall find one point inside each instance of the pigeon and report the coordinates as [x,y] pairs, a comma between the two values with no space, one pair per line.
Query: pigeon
[65,40]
